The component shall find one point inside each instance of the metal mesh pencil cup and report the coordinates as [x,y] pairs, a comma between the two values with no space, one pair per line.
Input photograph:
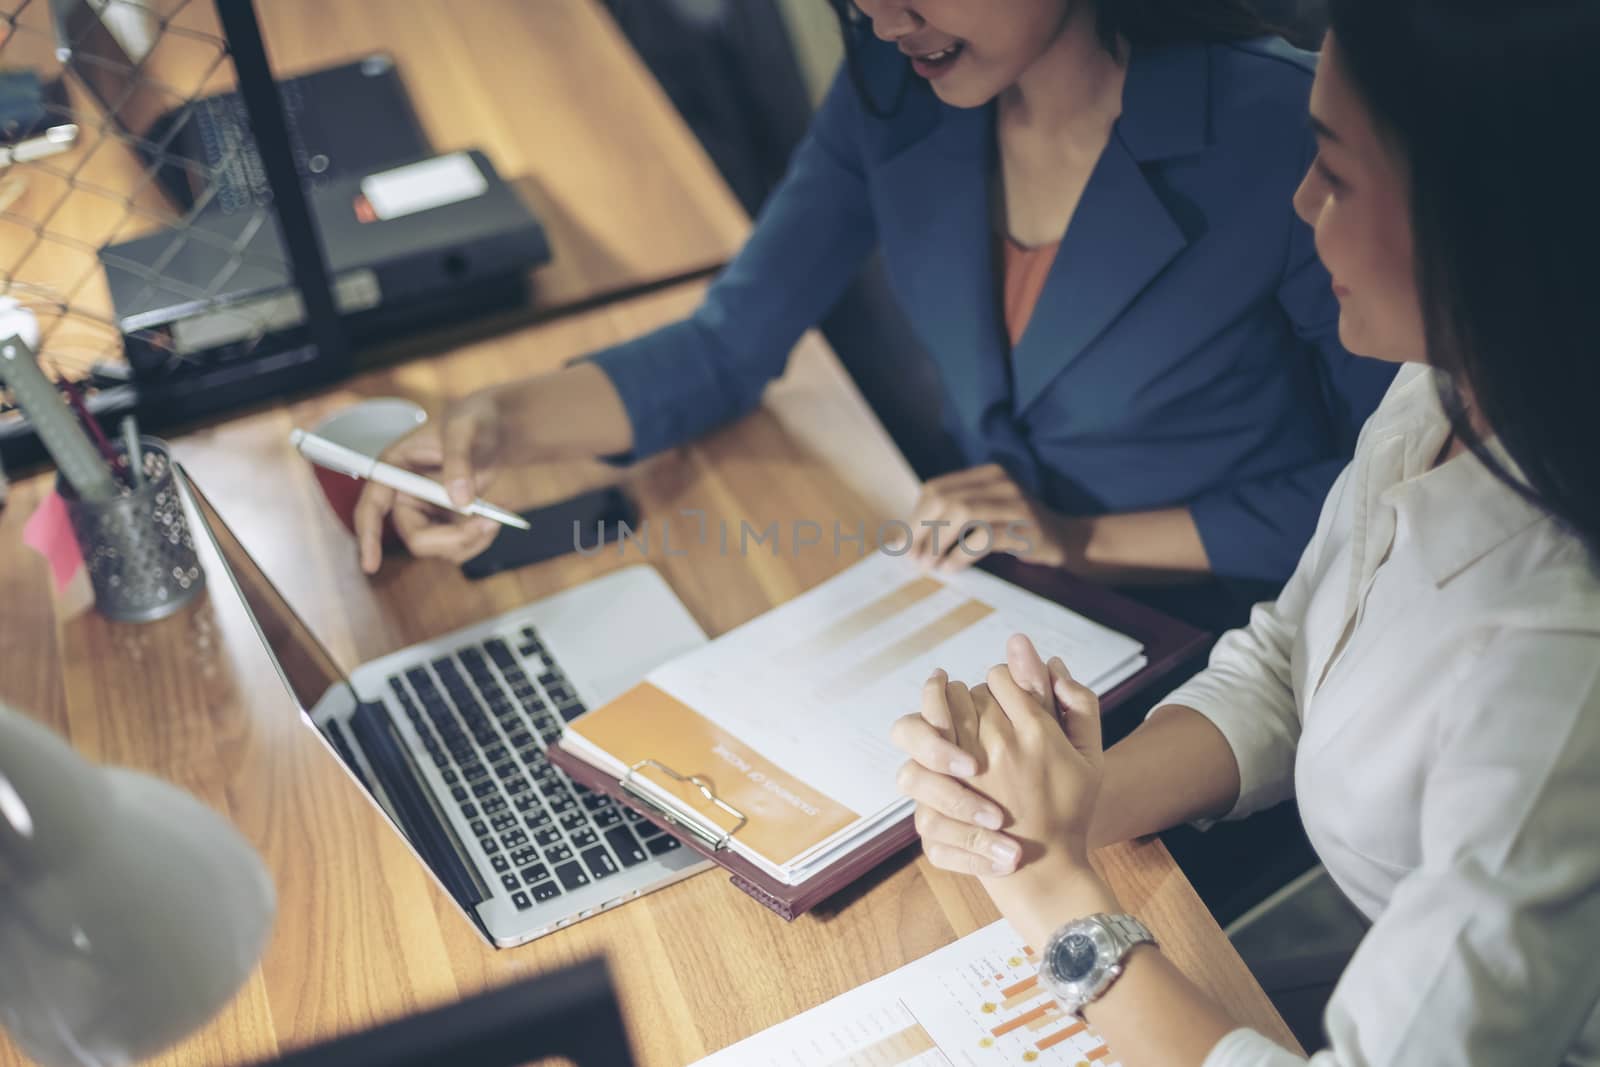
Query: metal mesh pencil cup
[137,545]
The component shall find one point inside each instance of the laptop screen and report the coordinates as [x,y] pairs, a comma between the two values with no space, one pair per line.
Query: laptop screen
[302,661]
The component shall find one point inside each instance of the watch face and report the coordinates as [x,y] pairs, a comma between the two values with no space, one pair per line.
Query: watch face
[1073,958]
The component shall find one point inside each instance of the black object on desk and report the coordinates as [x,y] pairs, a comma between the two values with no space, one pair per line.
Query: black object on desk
[349,119]
[572,1012]
[315,354]
[415,257]
[585,522]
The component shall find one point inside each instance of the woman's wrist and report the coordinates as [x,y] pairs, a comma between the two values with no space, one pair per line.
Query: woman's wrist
[571,413]
[1144,545]
[1049,893]
[1067,535]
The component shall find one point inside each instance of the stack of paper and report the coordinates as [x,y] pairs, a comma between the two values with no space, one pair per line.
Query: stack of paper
[786,719]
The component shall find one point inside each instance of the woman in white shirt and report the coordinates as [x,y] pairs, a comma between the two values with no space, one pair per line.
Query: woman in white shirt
[1428,684]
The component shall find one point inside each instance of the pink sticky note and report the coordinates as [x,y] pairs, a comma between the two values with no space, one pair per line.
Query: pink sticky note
[49,532]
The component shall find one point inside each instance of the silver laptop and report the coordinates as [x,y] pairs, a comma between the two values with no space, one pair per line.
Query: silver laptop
[449,738]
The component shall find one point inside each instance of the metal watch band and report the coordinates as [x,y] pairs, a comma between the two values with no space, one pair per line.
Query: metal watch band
[1129,931]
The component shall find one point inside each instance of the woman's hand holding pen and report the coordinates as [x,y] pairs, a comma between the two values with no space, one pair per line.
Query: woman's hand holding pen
[572,413]
[463,453]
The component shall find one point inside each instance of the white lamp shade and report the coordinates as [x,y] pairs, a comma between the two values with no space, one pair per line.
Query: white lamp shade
[130,913]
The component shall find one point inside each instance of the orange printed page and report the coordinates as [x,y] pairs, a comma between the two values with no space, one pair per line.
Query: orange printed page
[786,816]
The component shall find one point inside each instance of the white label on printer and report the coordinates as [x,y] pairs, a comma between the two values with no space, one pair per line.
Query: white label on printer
[422,186]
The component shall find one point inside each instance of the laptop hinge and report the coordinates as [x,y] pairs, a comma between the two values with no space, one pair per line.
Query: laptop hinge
[413,805]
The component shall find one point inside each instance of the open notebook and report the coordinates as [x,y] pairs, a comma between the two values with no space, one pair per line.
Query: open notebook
[974,1003]
[772,742]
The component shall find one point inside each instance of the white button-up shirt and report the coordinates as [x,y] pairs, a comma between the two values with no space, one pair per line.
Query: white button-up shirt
[1428,686]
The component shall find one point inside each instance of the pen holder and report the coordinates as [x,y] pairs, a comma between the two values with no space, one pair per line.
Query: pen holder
[137,545]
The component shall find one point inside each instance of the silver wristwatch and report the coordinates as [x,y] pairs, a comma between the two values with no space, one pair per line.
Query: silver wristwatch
[1083,958]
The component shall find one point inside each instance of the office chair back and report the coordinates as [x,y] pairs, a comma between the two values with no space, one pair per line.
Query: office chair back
[571,1013]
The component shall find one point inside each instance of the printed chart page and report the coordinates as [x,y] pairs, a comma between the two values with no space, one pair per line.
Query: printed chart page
[974,1003]
[815,685]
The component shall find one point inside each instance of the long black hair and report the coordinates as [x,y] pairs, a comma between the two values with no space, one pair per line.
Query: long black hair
[1492,106]
[1138,22]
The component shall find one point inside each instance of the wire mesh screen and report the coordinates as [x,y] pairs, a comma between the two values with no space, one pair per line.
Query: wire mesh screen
[131,194]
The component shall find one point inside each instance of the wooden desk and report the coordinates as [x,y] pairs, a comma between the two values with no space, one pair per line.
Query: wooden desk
[551,91]
[362,933]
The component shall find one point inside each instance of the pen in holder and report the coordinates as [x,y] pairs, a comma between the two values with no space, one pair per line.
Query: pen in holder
[136,544]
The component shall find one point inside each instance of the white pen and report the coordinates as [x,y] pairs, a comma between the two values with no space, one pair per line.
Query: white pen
[336,457]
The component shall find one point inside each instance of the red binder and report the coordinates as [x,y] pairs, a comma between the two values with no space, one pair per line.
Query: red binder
[1168,645]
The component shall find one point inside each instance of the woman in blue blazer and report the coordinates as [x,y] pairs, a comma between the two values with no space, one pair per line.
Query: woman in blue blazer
[1176,402]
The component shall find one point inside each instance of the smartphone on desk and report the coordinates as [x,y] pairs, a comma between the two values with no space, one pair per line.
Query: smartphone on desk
[587,521]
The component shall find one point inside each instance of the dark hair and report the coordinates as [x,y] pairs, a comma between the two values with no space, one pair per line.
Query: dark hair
[1139,22]
[1491,104]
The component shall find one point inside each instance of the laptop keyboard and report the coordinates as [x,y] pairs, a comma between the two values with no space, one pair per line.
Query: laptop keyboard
[485,723]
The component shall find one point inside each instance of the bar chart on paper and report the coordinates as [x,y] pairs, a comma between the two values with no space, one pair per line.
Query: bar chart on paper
[976,1003]
[837,665]
[986,1007]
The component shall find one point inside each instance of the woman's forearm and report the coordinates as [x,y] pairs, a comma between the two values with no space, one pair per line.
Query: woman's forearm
[572,413]
[1153,1016]
[1140,547]
[1176,767]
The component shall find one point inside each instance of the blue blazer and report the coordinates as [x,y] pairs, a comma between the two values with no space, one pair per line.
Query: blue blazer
[1184,350]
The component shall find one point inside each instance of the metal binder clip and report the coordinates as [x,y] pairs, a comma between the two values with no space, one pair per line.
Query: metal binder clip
[712,838]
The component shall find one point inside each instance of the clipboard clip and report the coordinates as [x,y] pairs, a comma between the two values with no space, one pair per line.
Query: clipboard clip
[712,838]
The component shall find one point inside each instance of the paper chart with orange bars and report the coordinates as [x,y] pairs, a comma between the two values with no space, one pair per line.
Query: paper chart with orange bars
[974,1003]
[989,1008]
